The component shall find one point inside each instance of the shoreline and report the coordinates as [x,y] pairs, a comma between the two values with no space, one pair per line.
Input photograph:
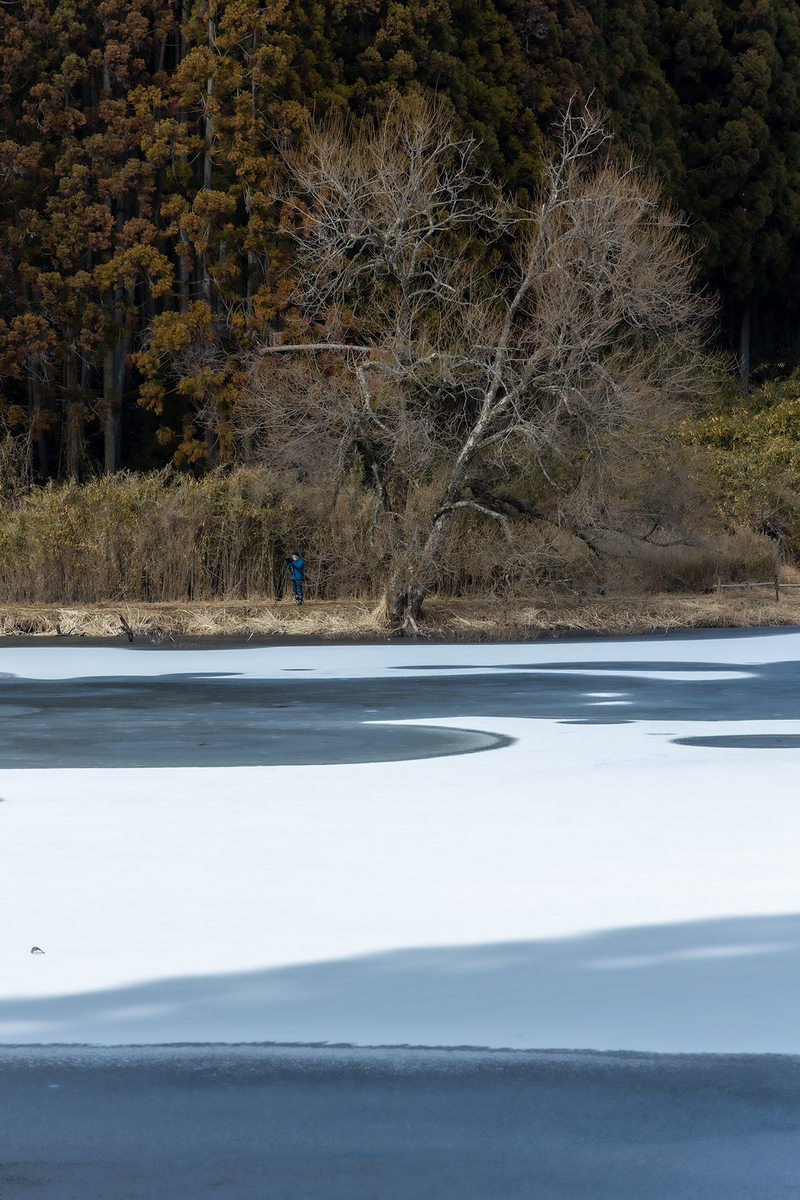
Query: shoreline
[265,622]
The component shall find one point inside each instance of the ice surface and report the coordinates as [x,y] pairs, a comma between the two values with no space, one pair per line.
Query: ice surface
[201,899]
[191,1122]
[726,986]
[383,661]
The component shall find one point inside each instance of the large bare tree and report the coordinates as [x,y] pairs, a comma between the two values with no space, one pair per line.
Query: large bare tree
[448,333]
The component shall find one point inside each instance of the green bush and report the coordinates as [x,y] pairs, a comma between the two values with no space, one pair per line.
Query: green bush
[748,449]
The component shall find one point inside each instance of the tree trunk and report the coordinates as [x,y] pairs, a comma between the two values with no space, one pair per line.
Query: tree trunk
[44,458]
[202,260]
[112,406]
[74,415]
[410,584]
[404,598]
[114,372]
[744,346]
[184,273]
[74,442]
[37,433]
[183,251]
[212,445]
[407,590]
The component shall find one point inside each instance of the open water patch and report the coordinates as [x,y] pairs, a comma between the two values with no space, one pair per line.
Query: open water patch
[744,741]
[245,739]
[215,719]
[220,719]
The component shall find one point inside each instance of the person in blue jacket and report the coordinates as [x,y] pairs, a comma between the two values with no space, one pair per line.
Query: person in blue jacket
[296,567]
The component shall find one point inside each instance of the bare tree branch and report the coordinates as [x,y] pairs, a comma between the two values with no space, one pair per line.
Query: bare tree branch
[564,354]
[319,347]
[481,508]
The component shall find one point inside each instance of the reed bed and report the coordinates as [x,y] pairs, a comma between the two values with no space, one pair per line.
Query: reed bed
[165,556]
[165,537]
[451,620]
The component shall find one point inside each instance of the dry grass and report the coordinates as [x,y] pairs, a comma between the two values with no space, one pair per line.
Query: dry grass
[452,620]
[165,622]
[170,557]
[167,543]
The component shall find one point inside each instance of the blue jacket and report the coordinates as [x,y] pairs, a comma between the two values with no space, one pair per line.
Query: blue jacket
[297,568]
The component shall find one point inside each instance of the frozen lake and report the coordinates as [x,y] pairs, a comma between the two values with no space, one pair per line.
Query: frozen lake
[136,708]
[578,845]
[300,1123]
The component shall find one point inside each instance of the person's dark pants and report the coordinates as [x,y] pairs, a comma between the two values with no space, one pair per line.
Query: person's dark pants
[297,588]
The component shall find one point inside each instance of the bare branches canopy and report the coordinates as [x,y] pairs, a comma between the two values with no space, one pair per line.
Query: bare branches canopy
[449,333]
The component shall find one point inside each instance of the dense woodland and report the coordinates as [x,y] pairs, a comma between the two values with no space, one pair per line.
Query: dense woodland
[147,247]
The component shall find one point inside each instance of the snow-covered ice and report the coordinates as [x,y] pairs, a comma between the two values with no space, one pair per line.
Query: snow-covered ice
[598,884]
[385,661]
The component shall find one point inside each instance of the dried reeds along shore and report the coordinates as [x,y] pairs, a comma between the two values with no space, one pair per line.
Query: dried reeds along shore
[451,620]
[167,557]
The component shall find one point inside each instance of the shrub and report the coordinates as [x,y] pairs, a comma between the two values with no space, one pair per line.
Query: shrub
[748,449]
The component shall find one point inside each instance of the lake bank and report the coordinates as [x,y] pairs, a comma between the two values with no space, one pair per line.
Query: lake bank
[466,620]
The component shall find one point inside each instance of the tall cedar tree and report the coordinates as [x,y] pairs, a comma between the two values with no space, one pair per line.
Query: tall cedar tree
[140,245]
[80,249]
[736,73]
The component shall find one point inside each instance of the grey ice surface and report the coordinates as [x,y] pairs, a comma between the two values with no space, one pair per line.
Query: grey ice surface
[306,1123]
[343,1123]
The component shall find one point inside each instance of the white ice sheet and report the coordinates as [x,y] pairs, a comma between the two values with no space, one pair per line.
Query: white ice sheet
[397,658]
[133,876]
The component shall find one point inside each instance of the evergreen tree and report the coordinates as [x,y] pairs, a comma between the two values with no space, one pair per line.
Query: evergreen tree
[141,245]
[736,73]
[75,228]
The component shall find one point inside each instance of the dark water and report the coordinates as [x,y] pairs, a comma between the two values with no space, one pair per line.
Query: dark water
[200,721]
[344,1124]
[745,741]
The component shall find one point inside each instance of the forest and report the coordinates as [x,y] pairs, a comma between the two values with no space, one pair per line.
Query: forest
[165,237]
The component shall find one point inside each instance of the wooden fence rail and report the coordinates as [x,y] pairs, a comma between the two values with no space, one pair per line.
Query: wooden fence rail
[773,583]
